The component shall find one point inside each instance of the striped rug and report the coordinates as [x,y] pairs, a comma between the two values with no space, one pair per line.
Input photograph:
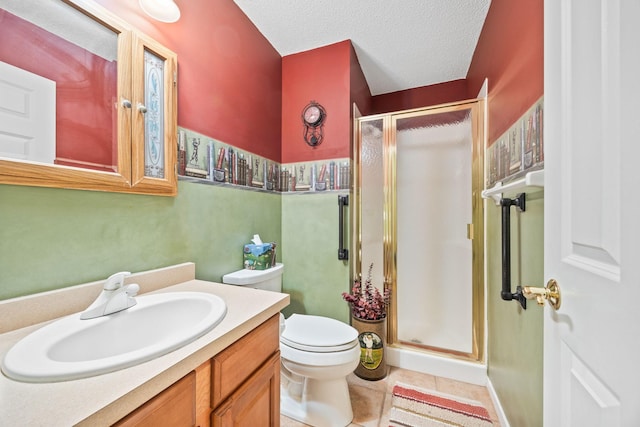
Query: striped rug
[416,407]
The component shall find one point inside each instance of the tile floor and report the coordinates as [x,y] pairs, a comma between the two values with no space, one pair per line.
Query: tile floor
[371,400]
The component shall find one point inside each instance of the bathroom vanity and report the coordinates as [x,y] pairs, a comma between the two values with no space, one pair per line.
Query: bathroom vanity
[241,384]
[230,373]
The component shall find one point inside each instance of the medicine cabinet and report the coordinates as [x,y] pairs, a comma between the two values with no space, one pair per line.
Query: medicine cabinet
[102,114]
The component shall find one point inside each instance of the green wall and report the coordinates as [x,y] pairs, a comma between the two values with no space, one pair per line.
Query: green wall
[53,238]
[314,277]
[515,336]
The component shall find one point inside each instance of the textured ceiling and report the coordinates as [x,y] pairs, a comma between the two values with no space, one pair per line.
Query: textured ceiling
[400,44]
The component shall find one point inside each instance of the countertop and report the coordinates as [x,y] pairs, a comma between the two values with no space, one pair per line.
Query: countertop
[104,399]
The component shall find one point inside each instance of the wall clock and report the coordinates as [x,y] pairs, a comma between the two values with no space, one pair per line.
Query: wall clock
[313,116]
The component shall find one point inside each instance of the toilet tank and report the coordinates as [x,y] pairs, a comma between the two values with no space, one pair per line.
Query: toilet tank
[268,280]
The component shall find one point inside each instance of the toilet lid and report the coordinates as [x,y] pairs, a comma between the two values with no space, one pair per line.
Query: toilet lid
[318,334]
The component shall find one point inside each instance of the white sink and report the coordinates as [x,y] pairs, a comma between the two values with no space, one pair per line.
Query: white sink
[71,348]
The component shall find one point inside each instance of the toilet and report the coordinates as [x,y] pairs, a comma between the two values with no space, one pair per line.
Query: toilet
[317,353]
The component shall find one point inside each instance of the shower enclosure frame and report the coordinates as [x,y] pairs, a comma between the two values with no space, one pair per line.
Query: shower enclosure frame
[475,228]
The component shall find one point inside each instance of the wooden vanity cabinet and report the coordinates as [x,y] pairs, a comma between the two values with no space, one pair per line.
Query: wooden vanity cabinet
[240,386]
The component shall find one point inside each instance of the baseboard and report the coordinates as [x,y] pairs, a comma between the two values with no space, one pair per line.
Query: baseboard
[496,404]
[441,366]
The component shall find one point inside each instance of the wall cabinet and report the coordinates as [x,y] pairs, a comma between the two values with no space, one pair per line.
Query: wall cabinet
[136,115]
[240,386]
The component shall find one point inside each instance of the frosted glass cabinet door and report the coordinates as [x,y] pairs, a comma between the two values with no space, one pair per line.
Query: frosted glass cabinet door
[154,117]
[154,99]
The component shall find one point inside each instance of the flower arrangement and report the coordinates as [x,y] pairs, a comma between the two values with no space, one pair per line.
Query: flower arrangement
[366,301]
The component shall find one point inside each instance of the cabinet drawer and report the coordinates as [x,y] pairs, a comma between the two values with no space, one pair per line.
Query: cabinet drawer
[235,364]
[174,407]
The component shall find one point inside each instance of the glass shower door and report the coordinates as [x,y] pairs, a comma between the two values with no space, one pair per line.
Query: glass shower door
[433,207]
[419,221]
[372,176]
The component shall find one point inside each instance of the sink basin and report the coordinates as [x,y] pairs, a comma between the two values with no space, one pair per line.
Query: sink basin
[71,348]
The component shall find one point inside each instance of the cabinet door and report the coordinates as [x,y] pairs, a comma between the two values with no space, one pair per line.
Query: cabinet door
[174,407]
[234,365]
[154,117]
[256,403]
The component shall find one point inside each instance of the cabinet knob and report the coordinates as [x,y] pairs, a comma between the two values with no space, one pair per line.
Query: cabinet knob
[126,103]
[142,108]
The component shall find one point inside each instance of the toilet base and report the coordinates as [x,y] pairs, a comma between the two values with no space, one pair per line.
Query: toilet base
[320,403]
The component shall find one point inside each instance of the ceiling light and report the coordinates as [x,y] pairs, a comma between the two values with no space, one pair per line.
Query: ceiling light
[161,10]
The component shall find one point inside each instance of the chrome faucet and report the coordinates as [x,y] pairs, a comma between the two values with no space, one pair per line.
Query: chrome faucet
[114,297]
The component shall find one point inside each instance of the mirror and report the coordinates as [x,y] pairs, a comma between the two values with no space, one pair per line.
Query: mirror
[59,86]
[86,101]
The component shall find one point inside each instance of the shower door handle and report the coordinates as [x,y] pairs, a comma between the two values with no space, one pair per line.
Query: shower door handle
[343,253]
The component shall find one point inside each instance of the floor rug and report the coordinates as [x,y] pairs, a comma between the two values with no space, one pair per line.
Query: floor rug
[417,407]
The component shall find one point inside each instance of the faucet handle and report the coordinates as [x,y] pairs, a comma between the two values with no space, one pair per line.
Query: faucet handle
[115,281]
[132,289]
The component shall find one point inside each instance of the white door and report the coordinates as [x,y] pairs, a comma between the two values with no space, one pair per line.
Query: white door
[592,213]
[27,115]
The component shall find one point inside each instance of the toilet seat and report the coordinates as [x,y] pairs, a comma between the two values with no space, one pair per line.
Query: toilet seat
[318,334]
[316,359]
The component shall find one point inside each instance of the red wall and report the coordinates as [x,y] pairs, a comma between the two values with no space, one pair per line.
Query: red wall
[360,92]
[234,86]
[424,96]
[510,54]
[322,75]
[229,75]
[85,89]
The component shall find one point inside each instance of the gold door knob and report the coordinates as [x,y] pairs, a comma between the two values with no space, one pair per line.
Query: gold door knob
[550,293]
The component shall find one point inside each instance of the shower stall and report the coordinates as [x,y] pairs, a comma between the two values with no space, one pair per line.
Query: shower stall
[418,219]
